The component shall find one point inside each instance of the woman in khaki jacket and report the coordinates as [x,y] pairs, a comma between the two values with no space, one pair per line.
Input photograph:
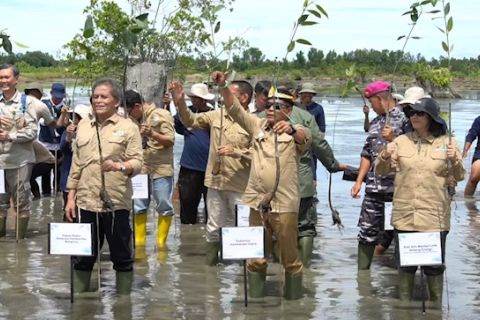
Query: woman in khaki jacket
[425,160]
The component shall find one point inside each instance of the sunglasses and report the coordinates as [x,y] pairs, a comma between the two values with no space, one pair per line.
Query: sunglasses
[276,106]
[416,113]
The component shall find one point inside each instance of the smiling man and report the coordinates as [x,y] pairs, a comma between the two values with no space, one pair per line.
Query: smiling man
[18,129]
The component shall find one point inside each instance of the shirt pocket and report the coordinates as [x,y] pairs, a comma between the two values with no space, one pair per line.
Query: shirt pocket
[114,148]
[406,159]
[439,163]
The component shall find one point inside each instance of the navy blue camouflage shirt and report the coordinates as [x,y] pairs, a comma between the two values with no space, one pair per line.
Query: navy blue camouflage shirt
[375,144]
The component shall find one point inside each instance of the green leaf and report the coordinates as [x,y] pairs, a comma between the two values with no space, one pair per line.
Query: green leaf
[445,47]
[143,17]
[7,45]
[218,8]
[433,11]
[434,2]
[441,30]
[217,27]
[407,13]
[291,46]
[425,2]
[416,37]
[446,10]
[305,3]
[302,18]
[322,10]
[20,45]
[88,29]
[401,37]
[315,13]
[414,15]
[450,24]
[303,41]
[308,23]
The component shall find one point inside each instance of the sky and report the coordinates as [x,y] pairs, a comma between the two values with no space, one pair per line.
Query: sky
[47,25]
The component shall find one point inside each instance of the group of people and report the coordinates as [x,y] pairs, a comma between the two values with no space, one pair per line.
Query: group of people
[264,157]
[411,161]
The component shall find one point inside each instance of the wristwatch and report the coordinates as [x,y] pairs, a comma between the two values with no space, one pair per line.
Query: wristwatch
[122,167]
[293,130]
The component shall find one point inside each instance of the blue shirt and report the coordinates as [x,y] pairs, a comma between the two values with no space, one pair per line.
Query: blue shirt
[196,145]
[317,111]
[474,133]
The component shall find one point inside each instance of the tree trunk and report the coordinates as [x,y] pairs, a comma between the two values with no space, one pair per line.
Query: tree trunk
[148,79]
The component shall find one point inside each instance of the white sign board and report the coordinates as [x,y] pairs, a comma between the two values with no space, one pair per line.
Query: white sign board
[388,216]
[140,186]
[240,243]
[72,239]
[242,215]
[420,249]
[2,181]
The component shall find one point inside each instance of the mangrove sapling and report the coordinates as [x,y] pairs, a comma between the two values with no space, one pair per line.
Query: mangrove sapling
[313,10]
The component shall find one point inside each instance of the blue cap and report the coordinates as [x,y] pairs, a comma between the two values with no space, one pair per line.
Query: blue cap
[58,90]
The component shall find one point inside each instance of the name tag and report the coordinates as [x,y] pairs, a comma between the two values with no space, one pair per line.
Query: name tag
[420,249]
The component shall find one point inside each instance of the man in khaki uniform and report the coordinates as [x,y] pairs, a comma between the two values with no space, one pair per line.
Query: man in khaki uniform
[273,197]
[18,130]
[228,161]
[99,183]
[156,128]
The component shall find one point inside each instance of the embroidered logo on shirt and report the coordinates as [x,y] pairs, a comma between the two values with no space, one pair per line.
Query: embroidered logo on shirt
[119,133]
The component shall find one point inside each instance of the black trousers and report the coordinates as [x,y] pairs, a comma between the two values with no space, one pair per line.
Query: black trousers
[44,170]
[119,241]
[191,189]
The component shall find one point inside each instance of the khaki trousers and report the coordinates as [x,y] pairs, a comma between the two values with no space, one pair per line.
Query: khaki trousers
[284,227]
[221,211]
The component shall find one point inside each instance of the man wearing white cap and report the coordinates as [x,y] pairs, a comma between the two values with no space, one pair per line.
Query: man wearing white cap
[193,163]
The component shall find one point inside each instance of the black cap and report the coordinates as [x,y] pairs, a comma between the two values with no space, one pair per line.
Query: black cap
[431,107]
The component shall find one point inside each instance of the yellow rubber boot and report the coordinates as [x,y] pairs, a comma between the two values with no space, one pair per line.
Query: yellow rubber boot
[162,231]
[140,229]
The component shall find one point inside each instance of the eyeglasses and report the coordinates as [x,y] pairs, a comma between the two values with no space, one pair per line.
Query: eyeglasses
[276,106]
[416,113]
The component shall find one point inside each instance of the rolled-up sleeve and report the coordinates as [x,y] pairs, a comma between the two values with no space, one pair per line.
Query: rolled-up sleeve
[133,152]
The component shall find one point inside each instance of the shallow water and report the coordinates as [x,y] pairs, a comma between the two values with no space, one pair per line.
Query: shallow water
[177,285]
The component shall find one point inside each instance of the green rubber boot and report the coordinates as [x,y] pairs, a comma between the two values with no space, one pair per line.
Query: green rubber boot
[435,288]
[293,286]
[365,255]
[406,282]
[256,284]
[124,281]
[3,226]
[22,227]
[212,253]
[81,280]
[305,250]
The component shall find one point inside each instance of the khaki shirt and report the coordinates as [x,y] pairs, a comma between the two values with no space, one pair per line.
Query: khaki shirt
[420,200]
[120,141]
[234,172]
[19,151]
[158,159]
[263,171]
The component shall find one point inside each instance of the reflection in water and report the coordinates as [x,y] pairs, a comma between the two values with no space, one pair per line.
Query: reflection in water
[178,285]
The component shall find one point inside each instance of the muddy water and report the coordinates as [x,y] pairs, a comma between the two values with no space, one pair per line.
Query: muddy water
[177,285]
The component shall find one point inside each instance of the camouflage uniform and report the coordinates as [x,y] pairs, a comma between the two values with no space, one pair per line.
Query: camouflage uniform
[378,189]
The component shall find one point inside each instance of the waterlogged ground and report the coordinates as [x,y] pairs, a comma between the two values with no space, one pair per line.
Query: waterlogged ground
[177,285]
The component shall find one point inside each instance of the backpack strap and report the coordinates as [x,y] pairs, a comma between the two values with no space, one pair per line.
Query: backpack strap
[23,100]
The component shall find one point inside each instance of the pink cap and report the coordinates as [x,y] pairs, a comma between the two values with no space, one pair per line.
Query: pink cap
[376,87]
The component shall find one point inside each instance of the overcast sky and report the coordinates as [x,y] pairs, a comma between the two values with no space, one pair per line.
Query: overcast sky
[46,25]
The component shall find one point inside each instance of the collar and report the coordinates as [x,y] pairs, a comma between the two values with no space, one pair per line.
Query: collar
[114,119]
[15,98]
[430,138]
